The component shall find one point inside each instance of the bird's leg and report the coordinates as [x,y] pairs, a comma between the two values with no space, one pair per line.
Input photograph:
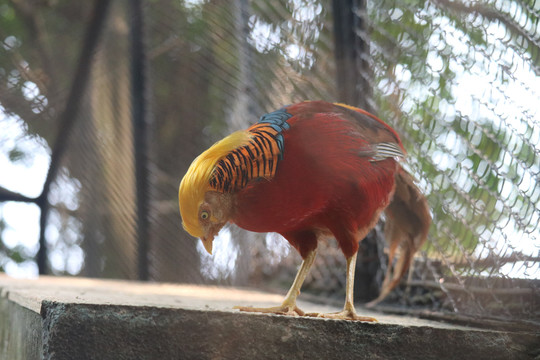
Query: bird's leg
[288,307]
[348,313]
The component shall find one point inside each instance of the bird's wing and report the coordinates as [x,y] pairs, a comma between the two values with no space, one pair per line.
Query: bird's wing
[381,151]
[369,127]
[258,159]
[373,129]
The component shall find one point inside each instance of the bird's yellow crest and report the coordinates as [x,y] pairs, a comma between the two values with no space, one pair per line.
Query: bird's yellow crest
[196,182]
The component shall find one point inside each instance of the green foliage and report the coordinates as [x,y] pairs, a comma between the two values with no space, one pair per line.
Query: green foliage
[474,161]
[16,155]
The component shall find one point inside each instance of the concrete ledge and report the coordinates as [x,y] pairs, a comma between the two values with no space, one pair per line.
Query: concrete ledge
[74,318]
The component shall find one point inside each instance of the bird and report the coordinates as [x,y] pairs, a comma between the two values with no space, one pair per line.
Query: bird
[309,171]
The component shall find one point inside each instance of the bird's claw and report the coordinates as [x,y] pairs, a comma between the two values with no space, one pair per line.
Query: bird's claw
[291,310]
[343,315]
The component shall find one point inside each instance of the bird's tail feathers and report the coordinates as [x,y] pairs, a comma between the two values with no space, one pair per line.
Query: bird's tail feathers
[407,224]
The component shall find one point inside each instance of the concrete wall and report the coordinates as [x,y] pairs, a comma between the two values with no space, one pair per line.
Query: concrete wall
[66,318]
[20,332]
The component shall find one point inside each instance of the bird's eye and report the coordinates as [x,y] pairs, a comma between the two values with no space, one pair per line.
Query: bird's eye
[205,215]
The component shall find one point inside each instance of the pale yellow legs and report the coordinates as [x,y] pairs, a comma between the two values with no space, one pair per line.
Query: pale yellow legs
[288,307]
[348,313]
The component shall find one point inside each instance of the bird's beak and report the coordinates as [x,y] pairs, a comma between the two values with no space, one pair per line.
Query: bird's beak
[208,238]
[207,242]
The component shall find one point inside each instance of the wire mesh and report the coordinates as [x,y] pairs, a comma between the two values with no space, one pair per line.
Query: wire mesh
[460,83]
[458,80]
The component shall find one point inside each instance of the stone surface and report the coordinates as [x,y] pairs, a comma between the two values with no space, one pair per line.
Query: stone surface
[75,318]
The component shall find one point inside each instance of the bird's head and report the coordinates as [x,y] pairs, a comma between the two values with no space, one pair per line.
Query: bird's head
[205,211]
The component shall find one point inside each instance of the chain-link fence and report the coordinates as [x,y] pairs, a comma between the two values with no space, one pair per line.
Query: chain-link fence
[121,107]
[460,83]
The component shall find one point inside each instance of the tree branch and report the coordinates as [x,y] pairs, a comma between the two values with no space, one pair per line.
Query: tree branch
[8,195]
[491,14]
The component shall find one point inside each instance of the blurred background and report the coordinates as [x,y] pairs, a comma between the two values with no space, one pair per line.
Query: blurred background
[104,104]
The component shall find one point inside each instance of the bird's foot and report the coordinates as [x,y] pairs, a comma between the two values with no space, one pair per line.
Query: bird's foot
[343,315]
[291,310]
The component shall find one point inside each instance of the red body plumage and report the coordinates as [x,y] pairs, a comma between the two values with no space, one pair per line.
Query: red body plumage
[308,170]
[322,185]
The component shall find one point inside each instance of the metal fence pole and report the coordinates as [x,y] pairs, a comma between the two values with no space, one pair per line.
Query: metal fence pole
[352,53]
[140,134]
[354,88]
